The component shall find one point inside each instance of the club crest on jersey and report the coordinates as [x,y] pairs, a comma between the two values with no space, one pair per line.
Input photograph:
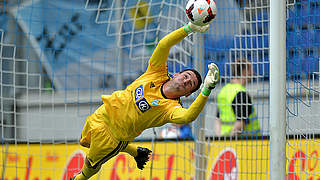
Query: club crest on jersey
[143,105]
[138,93]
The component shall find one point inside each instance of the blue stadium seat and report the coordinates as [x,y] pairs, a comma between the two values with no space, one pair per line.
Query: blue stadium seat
[310,64]
[260,27]
[300,38]
[302,61]
[316,37]
[224,43]
[303,32]
[255,41]
[293,65]
[260,23]
[217,51]
[262,15]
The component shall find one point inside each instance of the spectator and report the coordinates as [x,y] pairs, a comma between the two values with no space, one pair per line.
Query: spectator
[235,111]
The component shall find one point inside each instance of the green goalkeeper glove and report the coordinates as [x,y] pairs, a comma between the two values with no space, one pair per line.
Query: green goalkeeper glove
[190,28]
[211,79]
[143,157]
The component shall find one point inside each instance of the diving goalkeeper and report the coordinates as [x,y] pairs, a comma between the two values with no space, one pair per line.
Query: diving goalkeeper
[152,100]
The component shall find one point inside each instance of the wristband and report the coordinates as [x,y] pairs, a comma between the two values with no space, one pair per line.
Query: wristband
[205,91]
[187,29]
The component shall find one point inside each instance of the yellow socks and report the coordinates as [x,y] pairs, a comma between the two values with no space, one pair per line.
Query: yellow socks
[87,172]
[80,177]
[131,149]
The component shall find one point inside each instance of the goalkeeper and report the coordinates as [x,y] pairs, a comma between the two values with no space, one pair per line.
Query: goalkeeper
[152,100]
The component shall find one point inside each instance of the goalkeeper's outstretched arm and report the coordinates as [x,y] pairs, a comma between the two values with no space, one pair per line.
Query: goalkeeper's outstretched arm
[161,53]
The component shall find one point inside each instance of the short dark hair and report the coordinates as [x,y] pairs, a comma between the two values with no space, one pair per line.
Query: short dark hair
[238,66]
[198,78]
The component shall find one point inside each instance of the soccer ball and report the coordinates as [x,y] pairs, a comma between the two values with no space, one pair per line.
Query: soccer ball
[201,12]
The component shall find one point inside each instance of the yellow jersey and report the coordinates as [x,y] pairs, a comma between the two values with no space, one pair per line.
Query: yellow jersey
[142,104]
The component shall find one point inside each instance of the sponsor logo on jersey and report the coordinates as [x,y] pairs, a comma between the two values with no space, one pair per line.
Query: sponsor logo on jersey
[138,93]
[143,105]
[155,102]
[152,85]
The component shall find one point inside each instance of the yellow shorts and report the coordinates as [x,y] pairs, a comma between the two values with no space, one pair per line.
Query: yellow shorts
[96,136]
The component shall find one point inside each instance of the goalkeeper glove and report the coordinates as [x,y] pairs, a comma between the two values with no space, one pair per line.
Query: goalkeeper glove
[211,79]
[143,157]
[190,28]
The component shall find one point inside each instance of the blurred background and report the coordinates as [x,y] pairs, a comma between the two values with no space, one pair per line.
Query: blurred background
[58,57]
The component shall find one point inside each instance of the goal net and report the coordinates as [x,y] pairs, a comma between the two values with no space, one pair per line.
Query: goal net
[247,156]
[57,59]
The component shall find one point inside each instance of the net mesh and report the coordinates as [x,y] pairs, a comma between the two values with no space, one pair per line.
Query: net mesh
[58,57]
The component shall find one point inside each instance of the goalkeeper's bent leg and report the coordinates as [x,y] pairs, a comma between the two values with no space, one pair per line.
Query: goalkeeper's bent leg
[87,171]
[131,149]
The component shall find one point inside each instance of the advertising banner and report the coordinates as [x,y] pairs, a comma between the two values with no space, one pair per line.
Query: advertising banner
[226,160]
[170,160]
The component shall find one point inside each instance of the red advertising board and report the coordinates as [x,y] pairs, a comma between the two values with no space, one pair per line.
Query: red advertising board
[226,160]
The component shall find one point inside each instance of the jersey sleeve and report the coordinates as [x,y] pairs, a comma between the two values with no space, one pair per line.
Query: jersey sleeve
[183,115]
[242,106]
[161,53]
